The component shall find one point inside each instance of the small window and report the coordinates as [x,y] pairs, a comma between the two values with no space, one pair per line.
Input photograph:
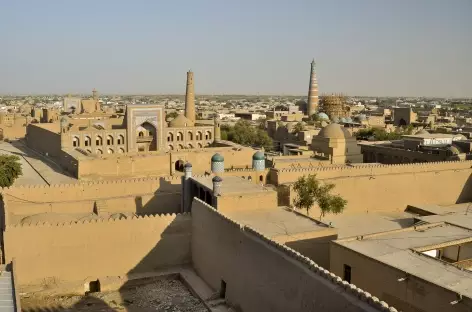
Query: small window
[347,273]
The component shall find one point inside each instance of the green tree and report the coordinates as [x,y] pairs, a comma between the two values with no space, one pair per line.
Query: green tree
[10,169]
[310,191]
[315,117]
[263,140]
[262,123]
[172,115]
[299,127]
[244,133]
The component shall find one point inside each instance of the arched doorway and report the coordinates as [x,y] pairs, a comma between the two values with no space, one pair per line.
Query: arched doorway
[179,165]
[146,137]
[402,122]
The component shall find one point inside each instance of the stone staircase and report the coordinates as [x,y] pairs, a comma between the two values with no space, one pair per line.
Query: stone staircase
[100,207]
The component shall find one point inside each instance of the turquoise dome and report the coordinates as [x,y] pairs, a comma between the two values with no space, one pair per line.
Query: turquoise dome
[323,116]
[258,156]
[217,158]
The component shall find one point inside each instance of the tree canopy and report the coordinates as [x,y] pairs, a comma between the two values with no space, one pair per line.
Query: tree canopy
[172,115]
[299,127]
[244,133]
[381,135]
[310,191]
[10,169]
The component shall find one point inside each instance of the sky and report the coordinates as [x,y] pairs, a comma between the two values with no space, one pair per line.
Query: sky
[361,47]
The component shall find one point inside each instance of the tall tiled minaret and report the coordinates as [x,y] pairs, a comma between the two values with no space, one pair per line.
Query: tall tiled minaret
[312,106]
[190,98]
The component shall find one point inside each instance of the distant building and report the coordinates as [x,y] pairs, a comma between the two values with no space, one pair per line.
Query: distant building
[420,147]
[403,116]
[336,144]
[426,267]
[249,116]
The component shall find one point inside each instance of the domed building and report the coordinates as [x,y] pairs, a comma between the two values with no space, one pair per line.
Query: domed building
[322,116]
[334,142]
[180,122]
[422,132]
[182,133]
[258,161]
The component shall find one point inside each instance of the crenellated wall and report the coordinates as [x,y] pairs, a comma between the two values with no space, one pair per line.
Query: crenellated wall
[276,278]
[43,138]
[53,254]
[154,163]
[140,195]
[369,188]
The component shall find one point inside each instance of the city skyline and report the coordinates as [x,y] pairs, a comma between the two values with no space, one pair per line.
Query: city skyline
[264,48]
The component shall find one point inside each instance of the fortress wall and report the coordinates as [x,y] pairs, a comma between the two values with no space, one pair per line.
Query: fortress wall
[140,204]
[250,201]
[156,164]
[246,173]
[201,159]
[291,175]
[16,131]
[86,251]
[43,140]
[91,190]
[276,278]
[161,164]
[392,189]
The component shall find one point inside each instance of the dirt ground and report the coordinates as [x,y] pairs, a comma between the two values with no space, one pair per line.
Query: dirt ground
[166,295]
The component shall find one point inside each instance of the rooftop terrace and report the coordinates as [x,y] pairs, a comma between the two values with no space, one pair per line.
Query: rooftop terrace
[403,249]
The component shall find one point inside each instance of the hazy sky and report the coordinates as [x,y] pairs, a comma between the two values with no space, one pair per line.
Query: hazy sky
[362,47]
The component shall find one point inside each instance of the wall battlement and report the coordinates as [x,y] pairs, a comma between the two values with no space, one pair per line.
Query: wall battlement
[178,178]
[351,289]
[430,166]
[289,175]
[168,217]
[82,184]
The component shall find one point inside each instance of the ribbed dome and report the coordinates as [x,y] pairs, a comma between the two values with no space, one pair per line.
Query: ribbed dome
[217,158]
[180,122]
[217,179]
[334,131]
[323,116]
[454,150]
[258,156]
[422,131]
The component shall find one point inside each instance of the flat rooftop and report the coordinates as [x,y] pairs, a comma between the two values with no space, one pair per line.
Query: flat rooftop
[356,224]
[53,127]
[429,135]
[280,221]
[395,248]
[457,214]
[233,185]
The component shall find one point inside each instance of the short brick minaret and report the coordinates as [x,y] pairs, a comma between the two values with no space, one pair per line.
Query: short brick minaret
[312,105]
[190,98]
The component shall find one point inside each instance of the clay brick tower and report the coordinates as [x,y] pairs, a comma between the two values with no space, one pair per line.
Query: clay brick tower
[94,94]
[312,105]
[190,98]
